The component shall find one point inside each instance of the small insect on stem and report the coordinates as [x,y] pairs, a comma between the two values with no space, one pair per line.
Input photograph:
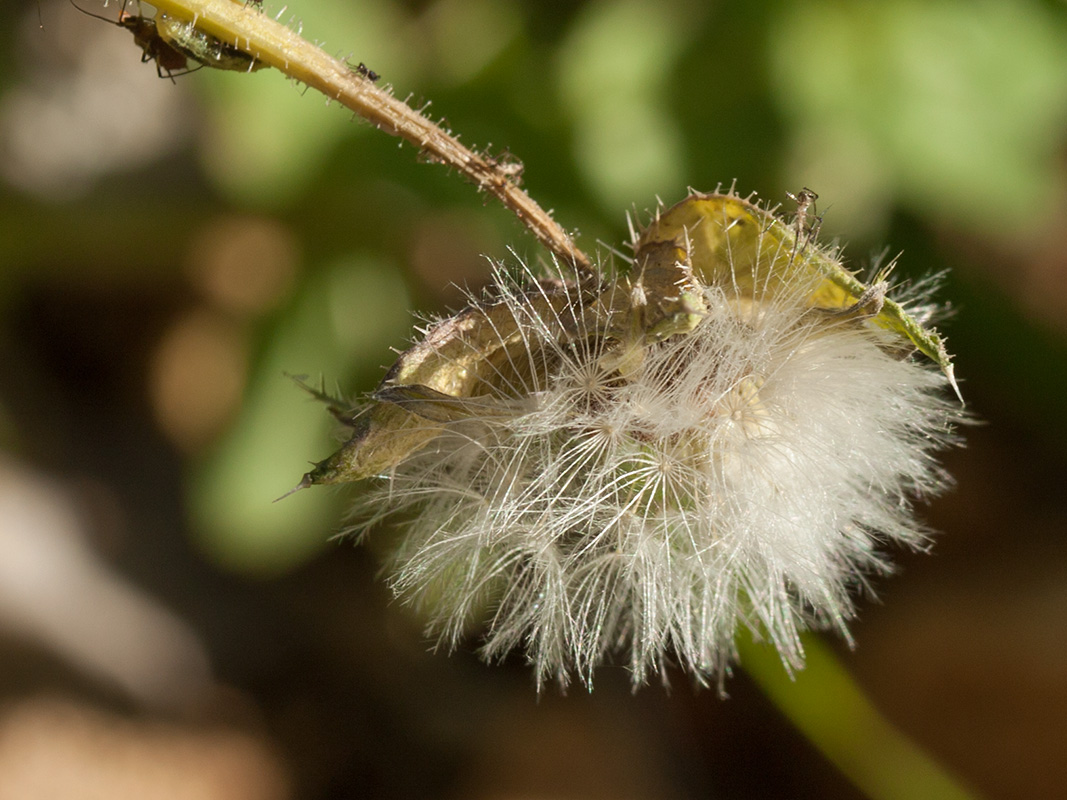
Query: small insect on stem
[365,71]
[507,165]
[805,199]
[804,232]
[172,43]
[154,47]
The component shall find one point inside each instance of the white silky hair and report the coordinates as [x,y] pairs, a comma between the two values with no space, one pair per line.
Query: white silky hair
[746,474]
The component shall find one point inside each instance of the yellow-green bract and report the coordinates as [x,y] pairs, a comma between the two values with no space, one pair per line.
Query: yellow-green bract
[705,240]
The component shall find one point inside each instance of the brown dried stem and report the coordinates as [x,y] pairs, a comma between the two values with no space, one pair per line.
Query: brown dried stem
[269,41]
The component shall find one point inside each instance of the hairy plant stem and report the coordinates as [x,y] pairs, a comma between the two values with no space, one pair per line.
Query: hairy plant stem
[271,42]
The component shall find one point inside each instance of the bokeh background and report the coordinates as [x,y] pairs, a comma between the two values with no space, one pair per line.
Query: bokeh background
[170,250]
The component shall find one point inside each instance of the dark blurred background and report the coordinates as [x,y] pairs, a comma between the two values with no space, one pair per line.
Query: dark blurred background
[169,250]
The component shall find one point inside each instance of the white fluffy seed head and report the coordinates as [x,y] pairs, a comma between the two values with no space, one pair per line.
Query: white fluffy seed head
[747,474]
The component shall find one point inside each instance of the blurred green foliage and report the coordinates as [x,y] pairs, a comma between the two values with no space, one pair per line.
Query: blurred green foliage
[349,312]
[953,110]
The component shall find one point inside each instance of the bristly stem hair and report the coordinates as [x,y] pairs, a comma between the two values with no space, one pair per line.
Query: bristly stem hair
[248,28]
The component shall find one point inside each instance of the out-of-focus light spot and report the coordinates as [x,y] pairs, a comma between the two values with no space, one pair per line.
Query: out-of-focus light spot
[444,252]
[56,590]
[612,75]
[469,34]
[851,178]
[197,376]
[634,154]
[87,108]
[962,105]
[53,749]
[368,310]
[266,140]
[244,264]
[1043,278]
[344,318]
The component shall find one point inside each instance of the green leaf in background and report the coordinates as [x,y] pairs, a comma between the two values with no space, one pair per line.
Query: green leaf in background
[267,141]
[346,318]
[613,70]
[956,107]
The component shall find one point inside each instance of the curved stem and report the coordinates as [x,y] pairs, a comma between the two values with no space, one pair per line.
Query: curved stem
[273,43]
[831,710]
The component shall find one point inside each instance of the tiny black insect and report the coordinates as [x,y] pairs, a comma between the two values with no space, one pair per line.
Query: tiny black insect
[366,72]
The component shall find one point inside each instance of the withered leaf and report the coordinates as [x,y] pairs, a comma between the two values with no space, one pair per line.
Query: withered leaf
[733,241]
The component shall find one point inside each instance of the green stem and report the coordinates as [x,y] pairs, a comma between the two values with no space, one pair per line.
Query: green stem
[270,42]
[831,710]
